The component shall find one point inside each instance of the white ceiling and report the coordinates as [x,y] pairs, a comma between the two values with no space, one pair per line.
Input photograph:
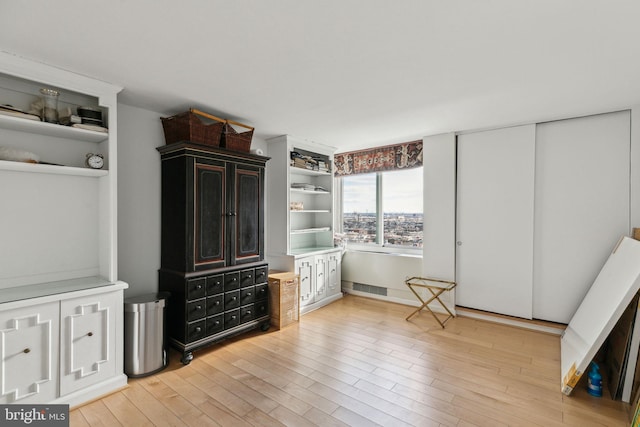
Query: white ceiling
[348,73]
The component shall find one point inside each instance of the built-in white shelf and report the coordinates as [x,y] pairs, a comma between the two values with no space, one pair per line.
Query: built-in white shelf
[50,129]
[310,211]
[19,293]
[50,169]
[301,171]
[311,230]
[300,190]
[311,250]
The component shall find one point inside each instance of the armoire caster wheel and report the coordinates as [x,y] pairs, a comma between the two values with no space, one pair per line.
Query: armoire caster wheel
[186,358]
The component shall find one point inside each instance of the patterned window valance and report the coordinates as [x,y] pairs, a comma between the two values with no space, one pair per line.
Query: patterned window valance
[391,157]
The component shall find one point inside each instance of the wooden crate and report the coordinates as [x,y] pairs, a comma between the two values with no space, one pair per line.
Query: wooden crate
[284,298]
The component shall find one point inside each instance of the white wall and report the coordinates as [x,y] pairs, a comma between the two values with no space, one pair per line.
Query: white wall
[383,270]
[139,133]
[439,235]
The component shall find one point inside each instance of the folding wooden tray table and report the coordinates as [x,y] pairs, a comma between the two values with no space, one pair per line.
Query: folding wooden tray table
[437,287]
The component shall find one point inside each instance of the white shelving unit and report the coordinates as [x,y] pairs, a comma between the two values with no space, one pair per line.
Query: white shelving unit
[300,220]
[58,252]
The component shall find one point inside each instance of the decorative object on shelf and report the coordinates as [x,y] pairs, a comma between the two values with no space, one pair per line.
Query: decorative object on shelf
[234,140]
[94,128]
[94,161]
[303,186]
[67,118]
[297,206]
[194,126]
[18,155]
[49,105]
[90,116]
[9,110]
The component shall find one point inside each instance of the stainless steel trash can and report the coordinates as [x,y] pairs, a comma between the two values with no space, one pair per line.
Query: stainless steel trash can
[145,349]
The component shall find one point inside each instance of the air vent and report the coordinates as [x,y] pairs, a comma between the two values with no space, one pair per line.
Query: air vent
[370,289]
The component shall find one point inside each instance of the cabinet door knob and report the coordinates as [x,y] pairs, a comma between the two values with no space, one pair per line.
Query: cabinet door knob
[233,317]
[248,276]
[198,307]
[199,287]
[248,294]
[90,334]
[233,298]
[26,350]
[217,302]
[198,329]
[249,312]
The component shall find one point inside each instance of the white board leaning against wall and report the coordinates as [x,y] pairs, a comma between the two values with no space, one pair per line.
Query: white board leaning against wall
[613,289]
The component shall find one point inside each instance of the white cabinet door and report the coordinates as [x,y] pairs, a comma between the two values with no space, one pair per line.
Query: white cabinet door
[29,354]
[334,284]
[495,220]
[321,277]
[581,207]
[87,338]
[304,268]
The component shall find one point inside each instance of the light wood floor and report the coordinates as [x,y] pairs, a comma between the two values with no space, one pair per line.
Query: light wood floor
[358,362]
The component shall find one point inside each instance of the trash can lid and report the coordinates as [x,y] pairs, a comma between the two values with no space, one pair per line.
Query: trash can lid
[146,302]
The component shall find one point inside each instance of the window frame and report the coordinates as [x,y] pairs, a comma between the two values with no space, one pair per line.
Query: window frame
[379,246]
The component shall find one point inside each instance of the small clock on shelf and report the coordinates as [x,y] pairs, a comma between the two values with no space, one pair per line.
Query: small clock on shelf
[94,161]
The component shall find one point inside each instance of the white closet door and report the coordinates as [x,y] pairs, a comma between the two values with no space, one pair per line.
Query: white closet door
[581,207]
[495,220]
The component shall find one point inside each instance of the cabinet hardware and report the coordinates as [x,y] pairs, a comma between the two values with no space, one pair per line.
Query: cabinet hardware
[27,350]
[90,334]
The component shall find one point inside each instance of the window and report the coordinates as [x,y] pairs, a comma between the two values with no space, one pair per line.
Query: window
[383,209]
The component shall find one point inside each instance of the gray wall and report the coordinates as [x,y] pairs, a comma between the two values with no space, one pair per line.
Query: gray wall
[139,133]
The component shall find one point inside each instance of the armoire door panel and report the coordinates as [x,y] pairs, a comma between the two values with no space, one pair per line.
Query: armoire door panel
[581,207]
[210,215]
[495,220]
[248,215]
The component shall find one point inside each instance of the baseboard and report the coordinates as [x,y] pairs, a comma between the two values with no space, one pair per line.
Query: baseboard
[395,300]
[316,305]
[91,393]
[535,325]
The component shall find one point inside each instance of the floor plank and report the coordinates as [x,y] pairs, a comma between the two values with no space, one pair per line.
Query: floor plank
[358,362]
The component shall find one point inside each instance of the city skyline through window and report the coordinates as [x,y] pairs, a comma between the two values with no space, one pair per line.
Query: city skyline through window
[399,200]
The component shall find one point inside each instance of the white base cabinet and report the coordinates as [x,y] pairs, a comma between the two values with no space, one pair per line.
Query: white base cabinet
[320,281]
[87,338]
[29,351]
[62,348]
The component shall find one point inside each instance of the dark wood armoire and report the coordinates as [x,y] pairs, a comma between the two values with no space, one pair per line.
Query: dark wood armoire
[212,255]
